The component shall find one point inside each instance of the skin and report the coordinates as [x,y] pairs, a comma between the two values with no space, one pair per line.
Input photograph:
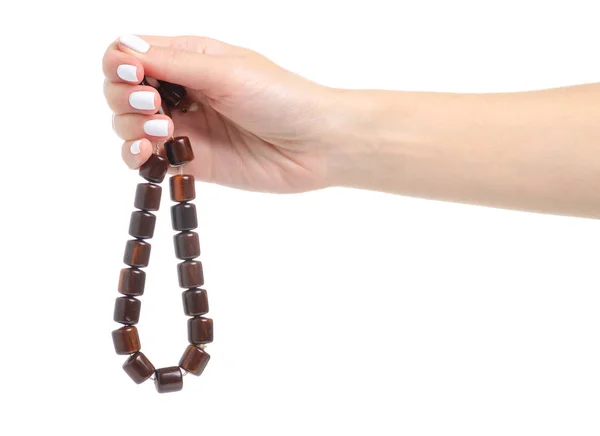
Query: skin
[257,126]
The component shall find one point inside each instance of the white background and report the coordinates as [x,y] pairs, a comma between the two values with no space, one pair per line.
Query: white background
[336,312]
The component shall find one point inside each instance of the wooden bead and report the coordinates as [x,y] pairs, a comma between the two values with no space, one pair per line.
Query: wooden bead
[182,187]
[147,196]
[200,330]
[194,360]
[187,245]
[190,274]
[127,310]
[137,253]
[195,302]
[141,224]
[155,168]
[126,340]
[132,281]
[171,93]
[168,379]
[183,216]
[138,367]
[179,150]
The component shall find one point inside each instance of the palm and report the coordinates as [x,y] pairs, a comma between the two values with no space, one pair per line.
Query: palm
[230,155]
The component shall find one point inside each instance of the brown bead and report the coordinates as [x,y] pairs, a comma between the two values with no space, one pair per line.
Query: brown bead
[183,216]
[195,302]
[182,187]
[168,379]
[200,330]
[132,281]
[147,196]
[194,360]
[155,168]
[179,150]
[171,93]
[137,253]
[187,245]
[126,340]
[127,310]
[190,274]
[141,224]
[138,367]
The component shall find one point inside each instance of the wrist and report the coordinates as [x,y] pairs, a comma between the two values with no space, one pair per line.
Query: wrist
[367,137]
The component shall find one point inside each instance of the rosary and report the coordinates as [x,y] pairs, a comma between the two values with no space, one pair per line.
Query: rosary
[178,151]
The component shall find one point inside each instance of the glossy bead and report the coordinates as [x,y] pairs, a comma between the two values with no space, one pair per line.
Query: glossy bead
[168,379]
[171,93]
[126,340]
[141,224]
[190,274]
[147,196]
[137,253]
[182,187]
[132,281]
[200,330]
[155,168]
[194,360]
[187,245]
[183,216]
[179,150]
[127,310]
[138,367]
[195,302]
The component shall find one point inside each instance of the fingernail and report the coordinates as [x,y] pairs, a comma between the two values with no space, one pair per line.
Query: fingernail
[135,147]
[142,100]
[127,73]
[157,127]
[135,43]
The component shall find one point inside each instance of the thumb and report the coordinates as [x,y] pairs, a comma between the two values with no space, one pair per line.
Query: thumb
[199,71]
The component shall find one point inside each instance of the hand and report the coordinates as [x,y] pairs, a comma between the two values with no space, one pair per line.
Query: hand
[252,124]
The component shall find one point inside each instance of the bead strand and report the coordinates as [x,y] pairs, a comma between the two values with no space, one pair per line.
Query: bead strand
[187,249]
[132,280]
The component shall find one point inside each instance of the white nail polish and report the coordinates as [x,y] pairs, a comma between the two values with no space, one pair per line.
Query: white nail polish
[135,43]
[127,73]
[135,147]
[142,100]
[157,127]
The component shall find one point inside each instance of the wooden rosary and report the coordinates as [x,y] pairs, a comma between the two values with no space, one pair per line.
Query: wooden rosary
[178,152]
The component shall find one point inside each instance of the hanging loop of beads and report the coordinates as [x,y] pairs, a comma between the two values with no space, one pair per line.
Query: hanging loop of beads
[132,279]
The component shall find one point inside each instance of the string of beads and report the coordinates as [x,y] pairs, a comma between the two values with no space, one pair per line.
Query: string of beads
[177,152]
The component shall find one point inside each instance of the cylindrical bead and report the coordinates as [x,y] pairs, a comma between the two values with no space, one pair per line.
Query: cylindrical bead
[168,379]
[182,187]
[171,93]
[187,245]
[195,302]
[179,150]
[127,310]
[190,274]
[141,224]
[155,168]
[200,330]
[147,196]
[126,340]
[194,360]
[138,367]
[183,216]
[137,253]
[132,281]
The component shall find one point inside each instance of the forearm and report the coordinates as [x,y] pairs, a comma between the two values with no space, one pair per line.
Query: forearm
[536,151]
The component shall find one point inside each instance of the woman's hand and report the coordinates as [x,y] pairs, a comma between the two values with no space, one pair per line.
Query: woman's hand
[252,124]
